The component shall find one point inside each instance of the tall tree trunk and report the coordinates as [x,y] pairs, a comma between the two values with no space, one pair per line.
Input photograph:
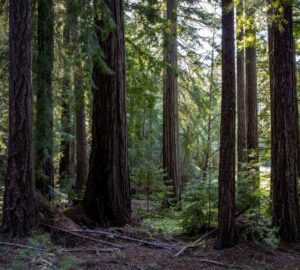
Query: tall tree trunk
[80,121]
[107,197]
[65,164]
[44,174]
[19,210]
[251,111]
[170,104]
[284,124]
[226,216]
[241,94]
[81,140]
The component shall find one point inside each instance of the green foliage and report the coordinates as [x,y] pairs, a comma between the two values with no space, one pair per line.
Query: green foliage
[259,230]
[199,203]
[164,223]
[193,219]
[148,180]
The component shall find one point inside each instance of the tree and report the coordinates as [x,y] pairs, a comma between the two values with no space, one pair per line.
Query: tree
[284,124]
[170,103]
[241,95]
[44,171]
[107,197]
[81,140]
[226,216]
[65,164]
[19,211]
[251,106]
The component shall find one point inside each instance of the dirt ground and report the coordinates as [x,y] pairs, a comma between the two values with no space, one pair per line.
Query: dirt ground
[84,254]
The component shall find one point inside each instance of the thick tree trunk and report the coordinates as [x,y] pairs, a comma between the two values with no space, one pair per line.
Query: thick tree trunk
[44,171]
[170,104]
[107,197]
[226,218]
[19,209]
[284,174]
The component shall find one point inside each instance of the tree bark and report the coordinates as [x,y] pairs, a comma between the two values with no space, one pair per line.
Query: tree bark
[80,121]
[251,112]
[81,140]
[226,216]
[284,123]
[44,171]
[66,160]
[107,197]
[241,92]
[19,209]
[170,104]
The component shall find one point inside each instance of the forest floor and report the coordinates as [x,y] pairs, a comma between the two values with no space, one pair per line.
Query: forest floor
[133,256]
[64,250]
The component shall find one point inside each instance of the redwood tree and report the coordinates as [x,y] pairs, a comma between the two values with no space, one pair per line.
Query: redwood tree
[241,94]
[19,211]
[107,197]
[284,123]
[252,196]
[66,160]
[44,171]
[226,216]
[170,103]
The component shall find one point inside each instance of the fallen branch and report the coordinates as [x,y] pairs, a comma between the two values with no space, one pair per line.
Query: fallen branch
[217,263]
[197,242]
[21,246]
[96,250]
[127,238]
[83,237]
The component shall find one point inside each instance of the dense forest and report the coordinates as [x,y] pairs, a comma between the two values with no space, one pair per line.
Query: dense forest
[149,134]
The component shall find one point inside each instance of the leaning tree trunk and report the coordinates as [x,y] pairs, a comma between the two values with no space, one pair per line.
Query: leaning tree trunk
[226,218]
[44,171]
[107,197]
[284,124]
[19,210]
[170,104]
